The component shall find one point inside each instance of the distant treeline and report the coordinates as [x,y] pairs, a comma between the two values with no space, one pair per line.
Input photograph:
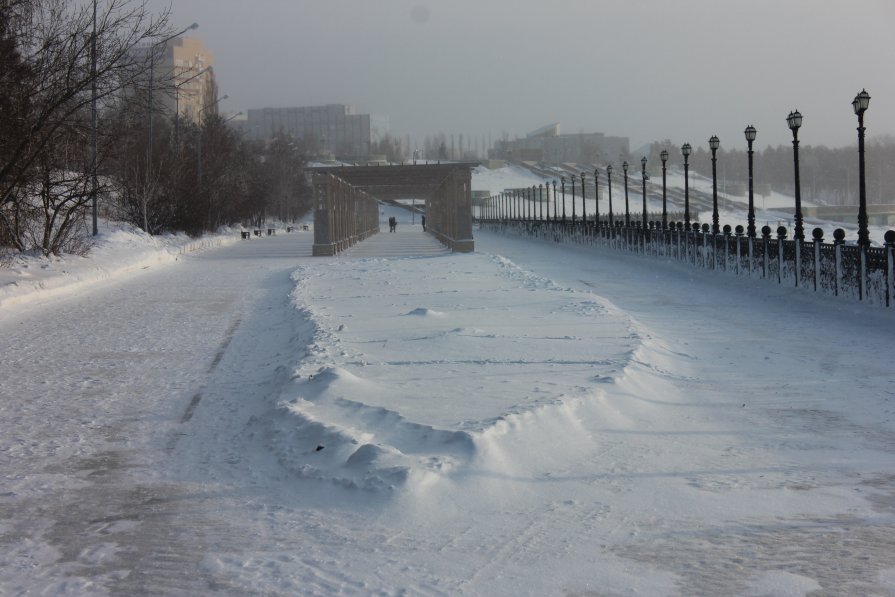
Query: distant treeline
[829,176]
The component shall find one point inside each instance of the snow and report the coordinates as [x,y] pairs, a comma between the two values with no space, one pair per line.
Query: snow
[531,418]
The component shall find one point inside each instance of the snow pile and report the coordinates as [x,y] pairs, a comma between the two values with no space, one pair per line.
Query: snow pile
[119,249]
[353,416]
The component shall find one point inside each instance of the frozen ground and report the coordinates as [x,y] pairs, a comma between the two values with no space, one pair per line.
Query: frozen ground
[528,419]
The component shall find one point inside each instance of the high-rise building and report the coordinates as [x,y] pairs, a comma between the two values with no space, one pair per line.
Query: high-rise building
[182,77]
[335,129]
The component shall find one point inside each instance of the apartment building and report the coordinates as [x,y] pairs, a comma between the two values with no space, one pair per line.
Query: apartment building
[333,129]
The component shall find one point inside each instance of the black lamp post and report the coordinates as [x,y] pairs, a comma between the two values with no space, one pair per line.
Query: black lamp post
[554,201]
[664,157]
[645,177]
[609,186]
[562,187]
[685,151]
[627,211]
[583,204]
[548,197]
[573,199]
[860,103]
[541,201]
[795,121]
[750,228]
[714,143]
[596,201]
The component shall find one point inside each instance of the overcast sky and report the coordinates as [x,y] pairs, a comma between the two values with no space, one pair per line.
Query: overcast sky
[645,69]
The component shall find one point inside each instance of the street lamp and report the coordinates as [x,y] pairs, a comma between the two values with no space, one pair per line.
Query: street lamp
[664,157]
[860,104]
[573,199]
[563,189]
[609,186]
[199,140]
[583,204]
[685,151]
[750,228]
[794,120]
[554,200]
[151,93]
[177,87]
[714,143]
[596,200]
[627,211]
[645,177]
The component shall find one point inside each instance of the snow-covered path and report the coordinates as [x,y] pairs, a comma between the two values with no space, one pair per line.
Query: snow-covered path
[529,419]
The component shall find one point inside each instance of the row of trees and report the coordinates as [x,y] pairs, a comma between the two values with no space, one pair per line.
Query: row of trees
[828,175]
[55,57]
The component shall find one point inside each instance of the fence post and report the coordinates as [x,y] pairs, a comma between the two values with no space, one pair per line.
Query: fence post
[739,232]
[838,241]
[818,235]
[862,284]
[766,239]
[890,262]
[781,236]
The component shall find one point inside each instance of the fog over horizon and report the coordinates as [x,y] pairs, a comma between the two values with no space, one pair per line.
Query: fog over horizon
[644,69]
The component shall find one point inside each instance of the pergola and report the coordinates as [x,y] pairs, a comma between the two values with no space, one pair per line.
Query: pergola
[445,188]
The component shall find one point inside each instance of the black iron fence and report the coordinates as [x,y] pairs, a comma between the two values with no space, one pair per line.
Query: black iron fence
[834,268]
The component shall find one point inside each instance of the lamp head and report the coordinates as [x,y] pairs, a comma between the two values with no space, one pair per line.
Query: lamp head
[750,133]
[664,155]
[794,120]
[643,162]
[714,142]
[861,102]
[686,149]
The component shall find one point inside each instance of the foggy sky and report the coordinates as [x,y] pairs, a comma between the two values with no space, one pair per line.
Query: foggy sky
[645,69]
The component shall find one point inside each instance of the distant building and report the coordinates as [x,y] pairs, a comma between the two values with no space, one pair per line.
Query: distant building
[182,79]
[546,144]
[333,129]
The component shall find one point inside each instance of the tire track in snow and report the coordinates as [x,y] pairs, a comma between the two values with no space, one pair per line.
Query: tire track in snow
[191,407]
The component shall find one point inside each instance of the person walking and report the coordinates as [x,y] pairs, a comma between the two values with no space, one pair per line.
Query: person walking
[424,223]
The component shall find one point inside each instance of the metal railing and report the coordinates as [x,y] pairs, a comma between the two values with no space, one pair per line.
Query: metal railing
[837,269]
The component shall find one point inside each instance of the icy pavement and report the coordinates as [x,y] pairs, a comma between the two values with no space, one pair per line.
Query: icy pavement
[528,419]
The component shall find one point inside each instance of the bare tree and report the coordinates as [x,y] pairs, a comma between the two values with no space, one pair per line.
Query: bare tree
[50,78]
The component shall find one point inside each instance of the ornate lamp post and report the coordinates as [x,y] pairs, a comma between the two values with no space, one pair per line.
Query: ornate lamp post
[583,204]
[573,199]
[627,211]
[554,200]
[596,201]
[685,151]
[714,143]
[860,104]
[645,177]
[541,201]
[562,187]
[609,186]
[750,228]
[664,157]
[548,197]
[795,121]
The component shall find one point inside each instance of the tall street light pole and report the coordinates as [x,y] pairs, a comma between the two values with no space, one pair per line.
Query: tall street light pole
[573,199]
[860,104]
[562,181]
[583,204]
[151,94]
[645,178]
[609,186]
[685,151]
[664,157]
[177,87]
[93,123]
[750,228]
[714,143]
[199,140]
[627,210]
[794,120]
[596,200]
